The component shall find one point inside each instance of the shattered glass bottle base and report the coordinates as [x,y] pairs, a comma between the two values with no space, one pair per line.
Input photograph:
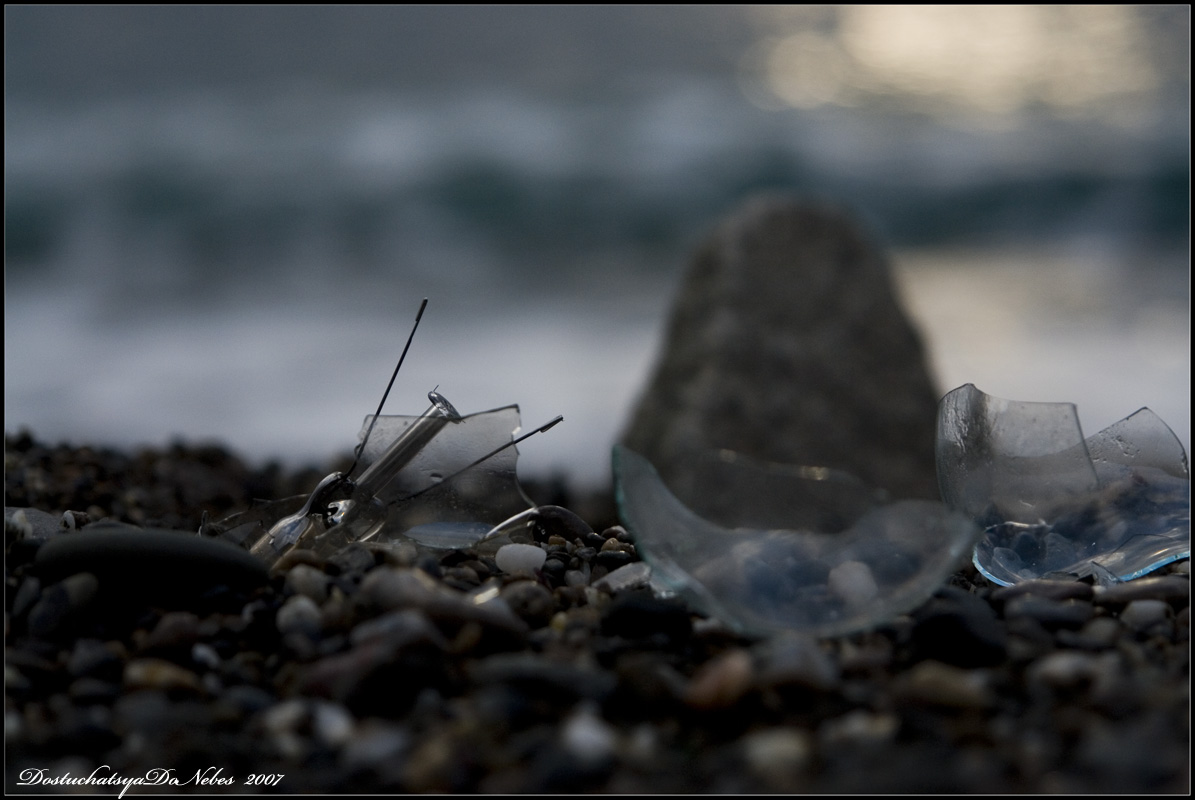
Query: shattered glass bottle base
[844,561]
[1054,505]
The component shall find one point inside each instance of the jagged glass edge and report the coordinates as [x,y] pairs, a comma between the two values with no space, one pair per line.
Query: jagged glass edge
[267,514]
[676,577]
[1086,442]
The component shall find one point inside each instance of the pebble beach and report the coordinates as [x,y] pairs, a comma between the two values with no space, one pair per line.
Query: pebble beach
[371,671]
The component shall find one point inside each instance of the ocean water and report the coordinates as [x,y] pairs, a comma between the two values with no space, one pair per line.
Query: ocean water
[226,264]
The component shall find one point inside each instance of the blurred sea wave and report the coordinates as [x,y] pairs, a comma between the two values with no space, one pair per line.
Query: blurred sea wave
[242,262]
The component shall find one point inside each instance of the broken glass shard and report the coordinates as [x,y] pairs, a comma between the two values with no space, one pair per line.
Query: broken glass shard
[779,548]
[1055,505]
[435,479]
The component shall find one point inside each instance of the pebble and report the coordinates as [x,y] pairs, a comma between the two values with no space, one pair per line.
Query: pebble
[858,728]
[721,681]
[1148,617]
[586,736]
[175,630]
[937,684]
[1166,587]
[530,601]
[777,756]
[332,723]
[961,629]
[352,559]
[1051,590]
[156,673]
[638,614]
[516,559]
[62,603]
[1050,613]
[31,523]
[789,659]
[374,744]
[306,580]
[1063,669]
[625,578]
[149,564]
[1098,634]
[94,658]
[853,582]
[299,615]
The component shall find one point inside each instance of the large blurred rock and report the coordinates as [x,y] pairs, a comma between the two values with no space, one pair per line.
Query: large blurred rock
[787,344]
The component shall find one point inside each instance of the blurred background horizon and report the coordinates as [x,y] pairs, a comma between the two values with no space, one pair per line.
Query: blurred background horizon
[220,221]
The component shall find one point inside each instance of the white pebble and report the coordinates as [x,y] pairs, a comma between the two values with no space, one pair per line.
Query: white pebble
[589,737]
[516,558]
[853,582]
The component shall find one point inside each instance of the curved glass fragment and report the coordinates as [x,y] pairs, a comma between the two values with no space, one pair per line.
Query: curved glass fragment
[434,479]
[845,561]
[1055,505]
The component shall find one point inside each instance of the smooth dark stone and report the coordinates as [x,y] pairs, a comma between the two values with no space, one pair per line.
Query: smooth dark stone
[613,559]
[541,676]
[1166,587]
[958,628]
[1052,590]
[353,558]
[1050,613]
[63,603]
[558,521]
[149,564]
[637,614]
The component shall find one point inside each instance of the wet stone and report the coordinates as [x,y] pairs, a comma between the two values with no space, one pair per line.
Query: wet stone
[794,659]
[858,728]
[638,613]
[936,684]
[306,580]
[958,628]
[557,521]
[85,691]
[531,601]
[62,603]
[1168,587]
[1050,590]
[613,559]
[299,615]
[1098,634]
[176,630]
[721,681]
[93,658]
[353,559]
[777,756]
[156,673]
[1050,613]
[26,596]
[140,565]
[1148,617]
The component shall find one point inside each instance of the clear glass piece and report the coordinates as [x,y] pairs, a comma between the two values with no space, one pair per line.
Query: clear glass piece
[1055,505]
[434,479]
[844,562]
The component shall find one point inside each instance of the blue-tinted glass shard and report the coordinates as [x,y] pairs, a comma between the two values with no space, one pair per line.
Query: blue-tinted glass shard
[1116,505]
[846,562]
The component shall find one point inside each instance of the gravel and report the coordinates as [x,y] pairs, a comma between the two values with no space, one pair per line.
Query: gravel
[397,669]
